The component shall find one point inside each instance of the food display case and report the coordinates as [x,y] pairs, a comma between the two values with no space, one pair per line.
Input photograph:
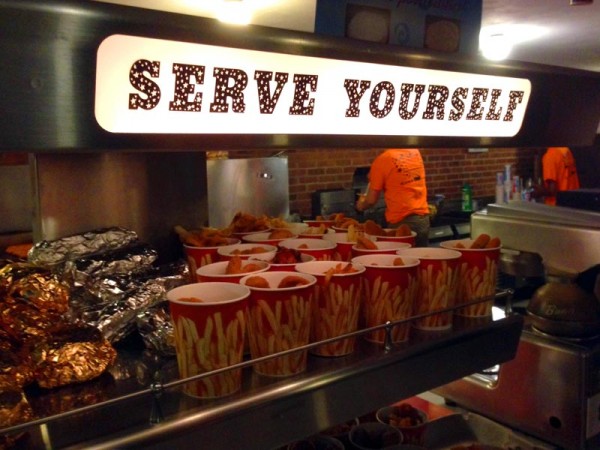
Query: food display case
[58,92]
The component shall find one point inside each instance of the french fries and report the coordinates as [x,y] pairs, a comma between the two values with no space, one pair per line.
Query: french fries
[215,347]
[437,291]
[477,283]
[335,312]
[280,327]
[386,302]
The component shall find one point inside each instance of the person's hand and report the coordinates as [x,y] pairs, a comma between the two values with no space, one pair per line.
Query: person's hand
[361,202]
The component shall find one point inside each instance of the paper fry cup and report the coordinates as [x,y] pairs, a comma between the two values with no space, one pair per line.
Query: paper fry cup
[279,320]
[438,276]
[209,321]
[477,277]
[336,305]
[390,292]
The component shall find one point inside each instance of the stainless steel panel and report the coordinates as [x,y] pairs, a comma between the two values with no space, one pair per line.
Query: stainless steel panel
[543,391]
[149,193]
[565,238]
[256,186]
[15,199]
[47,90]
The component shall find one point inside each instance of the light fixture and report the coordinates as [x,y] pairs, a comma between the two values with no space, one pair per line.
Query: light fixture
[235,12]
[497,41]
[495,47]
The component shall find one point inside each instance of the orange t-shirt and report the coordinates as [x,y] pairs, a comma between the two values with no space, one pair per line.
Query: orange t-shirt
[558,164]
[400,174]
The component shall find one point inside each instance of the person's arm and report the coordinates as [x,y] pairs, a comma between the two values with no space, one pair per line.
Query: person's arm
[368,200]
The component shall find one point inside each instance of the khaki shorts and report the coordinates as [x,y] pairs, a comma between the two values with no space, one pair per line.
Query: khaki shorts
[418,224]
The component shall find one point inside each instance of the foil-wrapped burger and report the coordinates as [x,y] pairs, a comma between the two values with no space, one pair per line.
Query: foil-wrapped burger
[38,340]
[71,354]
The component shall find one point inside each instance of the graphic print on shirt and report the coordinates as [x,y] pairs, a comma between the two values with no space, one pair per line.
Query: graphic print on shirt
[407,166]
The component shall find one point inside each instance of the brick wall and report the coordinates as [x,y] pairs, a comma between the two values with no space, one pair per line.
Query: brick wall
[446,170]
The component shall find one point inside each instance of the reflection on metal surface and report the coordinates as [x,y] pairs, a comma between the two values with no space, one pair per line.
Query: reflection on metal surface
[255,186]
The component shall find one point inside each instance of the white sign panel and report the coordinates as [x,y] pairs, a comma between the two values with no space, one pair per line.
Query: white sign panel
[148,85]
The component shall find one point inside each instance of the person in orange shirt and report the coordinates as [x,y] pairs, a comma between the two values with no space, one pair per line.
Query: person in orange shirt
[559,172]
[400,175]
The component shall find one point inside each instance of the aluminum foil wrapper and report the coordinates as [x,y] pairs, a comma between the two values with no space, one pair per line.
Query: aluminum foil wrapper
[52,253]
[14,409]
[73,353]
[117,318]
[156,329]
[126,261]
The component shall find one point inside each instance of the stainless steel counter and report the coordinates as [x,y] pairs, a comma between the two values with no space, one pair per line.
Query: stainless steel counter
[268,412]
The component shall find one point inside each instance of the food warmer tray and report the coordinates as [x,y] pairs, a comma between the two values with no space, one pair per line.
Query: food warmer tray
[143,406]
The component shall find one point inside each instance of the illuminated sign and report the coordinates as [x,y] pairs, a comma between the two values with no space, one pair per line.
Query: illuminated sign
[148,85]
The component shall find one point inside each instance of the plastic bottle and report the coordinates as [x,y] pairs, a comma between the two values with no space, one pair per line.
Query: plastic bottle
[467,198]
[499,187]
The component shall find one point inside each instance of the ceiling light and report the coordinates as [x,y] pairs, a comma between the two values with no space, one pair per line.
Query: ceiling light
[235,12]
[497,41]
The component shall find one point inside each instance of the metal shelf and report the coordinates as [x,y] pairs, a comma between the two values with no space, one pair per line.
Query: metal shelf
[269,412]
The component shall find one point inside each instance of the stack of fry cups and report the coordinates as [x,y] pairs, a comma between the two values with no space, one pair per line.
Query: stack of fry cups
[279,320]
[201,256]
[343,247]
[389,293]
[383,248]
[209,322]
[218,271]
[321,249]
[478,274]
[438,280]
[336,304]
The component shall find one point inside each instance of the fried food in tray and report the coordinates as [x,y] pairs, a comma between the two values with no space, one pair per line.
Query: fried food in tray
[245,223]
[205,237]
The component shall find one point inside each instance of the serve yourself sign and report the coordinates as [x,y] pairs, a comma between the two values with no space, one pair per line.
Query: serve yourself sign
[146,85]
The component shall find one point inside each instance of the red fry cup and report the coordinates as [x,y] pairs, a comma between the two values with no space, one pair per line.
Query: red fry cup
[201,256]
[209,321]
[246,251]
[343,247]
[336,306]
[315,233]
[412,239]
[218,271]
[266,238]
[321,249]
[438,277]
[477,276]
[279,320]
[383,248]
[318,223]
[389,294]
[242,234]
[290,267]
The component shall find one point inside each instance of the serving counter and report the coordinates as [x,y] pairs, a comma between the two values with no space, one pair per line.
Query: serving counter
[140,402]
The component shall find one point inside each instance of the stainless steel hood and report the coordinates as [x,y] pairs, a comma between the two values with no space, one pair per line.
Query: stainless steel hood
[48,87]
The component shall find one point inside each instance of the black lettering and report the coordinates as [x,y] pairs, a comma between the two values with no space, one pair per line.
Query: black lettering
[184,87]
[266,101]
[301,95]
[515,98]
[476,111]
[223,90]
[375,100]
[149,89]
[494,114]
[437,100]
[355,90]
[459,106]
[406,89]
